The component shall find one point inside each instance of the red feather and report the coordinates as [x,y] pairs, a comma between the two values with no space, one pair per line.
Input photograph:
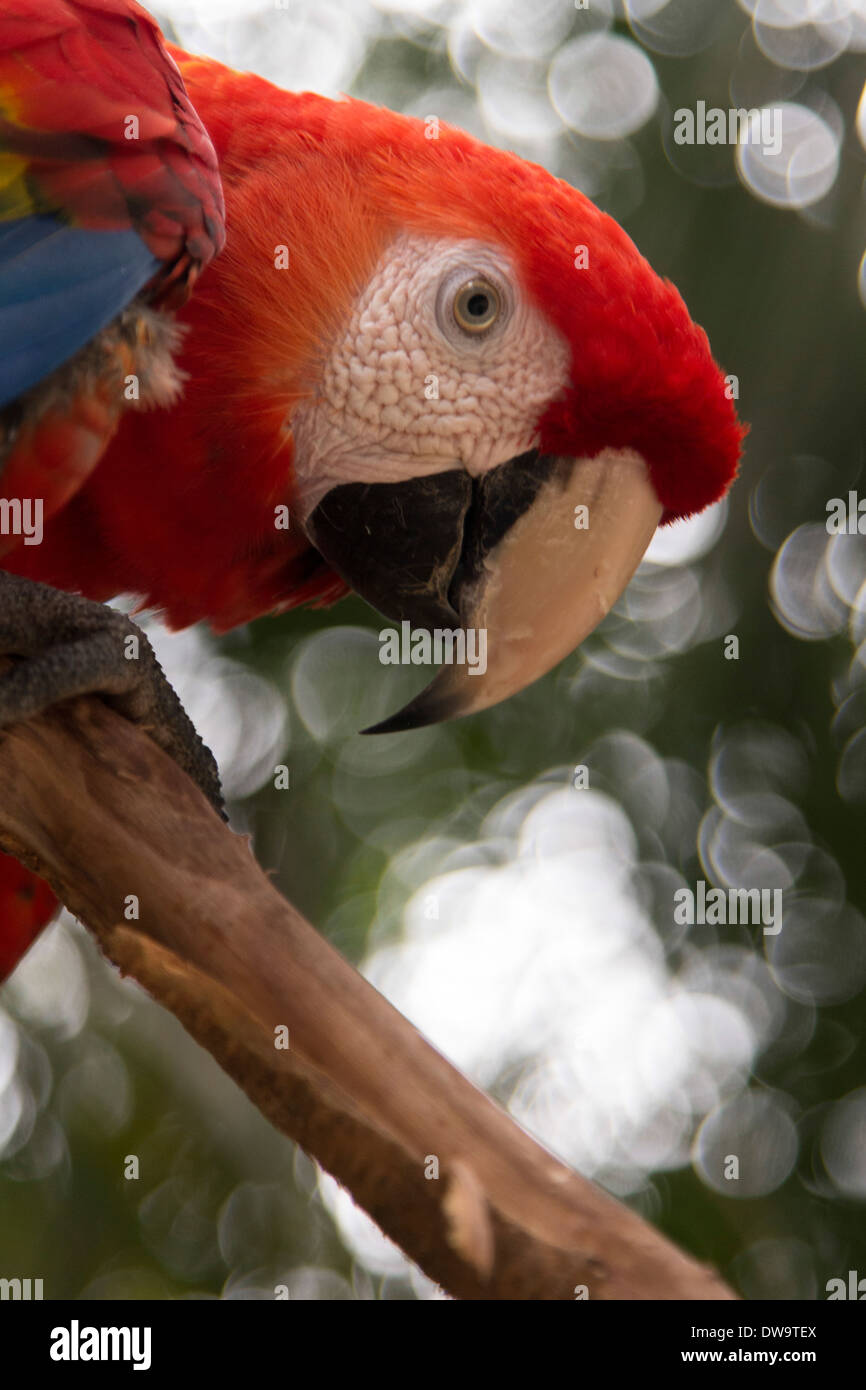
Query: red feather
[26,905]
[72,73]
[180,509]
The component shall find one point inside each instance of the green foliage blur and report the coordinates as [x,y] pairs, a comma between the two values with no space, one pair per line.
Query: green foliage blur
[224,1207]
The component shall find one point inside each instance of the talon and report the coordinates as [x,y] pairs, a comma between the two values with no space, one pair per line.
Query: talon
[67,646]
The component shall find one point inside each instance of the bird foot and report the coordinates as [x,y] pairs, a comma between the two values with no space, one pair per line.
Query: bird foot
[68,646]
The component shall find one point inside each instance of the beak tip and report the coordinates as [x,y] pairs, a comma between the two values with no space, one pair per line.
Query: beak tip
[400,723]
[430,707]
[386,726]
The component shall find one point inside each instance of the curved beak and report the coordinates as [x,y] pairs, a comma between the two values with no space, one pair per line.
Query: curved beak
[509,572]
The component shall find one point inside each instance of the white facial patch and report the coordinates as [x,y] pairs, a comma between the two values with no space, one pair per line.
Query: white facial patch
[408,392]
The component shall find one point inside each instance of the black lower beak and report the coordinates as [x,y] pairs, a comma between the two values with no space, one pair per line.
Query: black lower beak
[408,548]
[397,544]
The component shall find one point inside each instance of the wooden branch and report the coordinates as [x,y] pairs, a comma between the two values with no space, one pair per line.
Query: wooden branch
[90,803]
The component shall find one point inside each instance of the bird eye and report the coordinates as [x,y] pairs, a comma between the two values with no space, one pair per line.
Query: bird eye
[477,305]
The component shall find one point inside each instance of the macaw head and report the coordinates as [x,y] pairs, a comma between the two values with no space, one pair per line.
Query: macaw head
[502,400]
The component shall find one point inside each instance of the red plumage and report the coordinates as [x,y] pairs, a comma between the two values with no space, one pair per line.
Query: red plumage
[26,904]
[72,73]
[179,509]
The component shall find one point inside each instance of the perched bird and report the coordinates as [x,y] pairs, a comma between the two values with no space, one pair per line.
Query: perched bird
[420,369]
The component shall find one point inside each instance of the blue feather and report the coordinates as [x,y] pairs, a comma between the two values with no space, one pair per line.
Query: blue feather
[59,286]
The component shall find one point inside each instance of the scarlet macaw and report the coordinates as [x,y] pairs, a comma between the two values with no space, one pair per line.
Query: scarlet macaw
[433,353]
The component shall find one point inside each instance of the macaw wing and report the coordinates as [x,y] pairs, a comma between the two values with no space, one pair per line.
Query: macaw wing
[59,286]
[108,181]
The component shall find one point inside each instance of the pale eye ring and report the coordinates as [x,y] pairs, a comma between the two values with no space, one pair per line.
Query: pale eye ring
[476,306]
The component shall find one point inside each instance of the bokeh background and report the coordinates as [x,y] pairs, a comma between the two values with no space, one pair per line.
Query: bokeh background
[525,926]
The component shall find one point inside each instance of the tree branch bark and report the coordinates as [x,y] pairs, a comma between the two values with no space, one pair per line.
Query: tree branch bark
[101,813]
